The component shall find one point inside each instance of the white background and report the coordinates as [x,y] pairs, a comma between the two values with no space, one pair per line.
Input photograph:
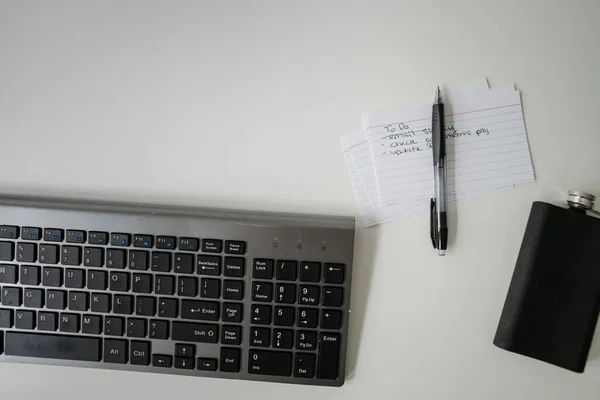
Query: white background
[241,104]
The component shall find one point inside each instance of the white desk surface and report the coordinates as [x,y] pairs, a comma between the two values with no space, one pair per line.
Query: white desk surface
[241,104]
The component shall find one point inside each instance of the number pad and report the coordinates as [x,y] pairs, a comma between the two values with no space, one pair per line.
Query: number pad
[284,316]
[308,317]
[285,293]
[283,338]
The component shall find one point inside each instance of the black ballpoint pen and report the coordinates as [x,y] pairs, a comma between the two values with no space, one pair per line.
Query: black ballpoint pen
[439,225]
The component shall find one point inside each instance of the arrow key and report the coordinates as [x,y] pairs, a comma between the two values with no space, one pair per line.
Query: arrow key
[207,364]
[162,360]
[185,350]
[184,363]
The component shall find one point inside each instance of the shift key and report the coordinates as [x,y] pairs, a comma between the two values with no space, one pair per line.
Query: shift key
[194,332]
[329,356]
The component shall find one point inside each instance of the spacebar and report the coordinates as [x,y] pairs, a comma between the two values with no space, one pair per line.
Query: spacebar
[52,346]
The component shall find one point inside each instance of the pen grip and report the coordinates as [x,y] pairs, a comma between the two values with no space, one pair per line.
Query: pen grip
[438,132]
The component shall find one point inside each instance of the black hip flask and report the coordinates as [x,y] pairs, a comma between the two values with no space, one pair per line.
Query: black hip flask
[553,300]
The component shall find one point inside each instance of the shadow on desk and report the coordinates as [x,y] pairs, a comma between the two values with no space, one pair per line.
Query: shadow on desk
[365,245]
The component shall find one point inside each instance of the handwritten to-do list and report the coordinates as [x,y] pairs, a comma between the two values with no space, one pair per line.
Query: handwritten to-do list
[390,159]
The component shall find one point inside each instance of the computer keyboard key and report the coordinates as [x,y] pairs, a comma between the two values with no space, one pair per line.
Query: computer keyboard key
[115,258]
[260,337]
[329,356]
[162,360]
[53,235]
[97,280]
[93,257]
[167,308]
[231,335]
[30,275]
[91,324]
[159,329]
[11,296]
[333,296]
[137,327]
[119,281]
[206,364]
[26,252]
[233,289]
[166,242]
[232,312]
[306,340]
[8,273]
[47,321]
[9,232]
[138,260]
[42,345]
[78,301]
[52,277]
[114,326]
[304,365]
[187,286]
[31,233]
[25,319]
[200,310]
[334,273]
[262,268]
[74,278]
[164,284]
[69,323]
[48,254]
[141,283]
[195,332]
[234,267]
[185,363]
[189,244]
[161,261]
[331,319]
[283,338]
[144,241]
[184,263]
[139,353]
[98,238]
[208,265]
[7,251]
[56,299]
[6,318]
[100,302]
[210,288]
[309,294]
[70,255]
[230,359]
[122,304]
[284,316]
[285,293]
[310,271]
[264,362]
[115,351]
[212,245]
[120,239]
[308,317]
[33,298]
[261,314]
[235,247]
[185,350]
[75,236]
[262,291]
[286,270]
[145,306]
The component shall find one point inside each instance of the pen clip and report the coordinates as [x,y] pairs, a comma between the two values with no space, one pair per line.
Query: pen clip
[433,222]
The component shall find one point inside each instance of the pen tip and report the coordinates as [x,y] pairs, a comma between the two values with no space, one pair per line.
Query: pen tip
[438,95]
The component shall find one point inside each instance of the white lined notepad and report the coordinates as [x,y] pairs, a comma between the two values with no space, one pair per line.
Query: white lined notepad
[390,161]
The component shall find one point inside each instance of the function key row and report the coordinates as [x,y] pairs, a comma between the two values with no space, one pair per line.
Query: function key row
[287,270]
[123,239]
